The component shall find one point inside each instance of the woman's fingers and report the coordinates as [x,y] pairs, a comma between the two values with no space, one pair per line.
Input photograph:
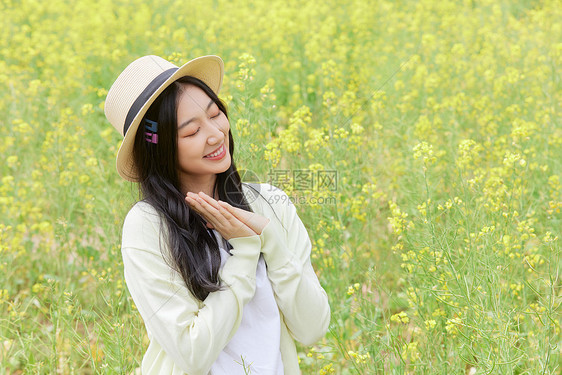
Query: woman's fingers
[211,206]
[196,206]
[208,199]
[239,213]
[204,208]
[226,218]
[221,209]
[218,216]
[193,203]
[255,221]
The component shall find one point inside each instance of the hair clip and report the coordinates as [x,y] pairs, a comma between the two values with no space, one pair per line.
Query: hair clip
[151,137]
[152,129]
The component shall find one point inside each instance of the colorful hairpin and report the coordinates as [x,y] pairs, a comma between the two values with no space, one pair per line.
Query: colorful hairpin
[151,128]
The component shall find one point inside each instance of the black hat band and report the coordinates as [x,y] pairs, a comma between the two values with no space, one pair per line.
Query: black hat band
[145,95]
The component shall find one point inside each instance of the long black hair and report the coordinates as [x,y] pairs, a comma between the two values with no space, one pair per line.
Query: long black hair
[193,251]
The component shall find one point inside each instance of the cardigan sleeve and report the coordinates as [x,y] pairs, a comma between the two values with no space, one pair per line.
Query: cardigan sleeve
[190,332]
[299,295]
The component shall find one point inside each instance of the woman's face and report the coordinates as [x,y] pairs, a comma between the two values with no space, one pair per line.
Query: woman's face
[202,132]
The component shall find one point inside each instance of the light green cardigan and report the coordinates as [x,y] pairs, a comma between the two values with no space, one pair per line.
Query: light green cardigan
[187,335]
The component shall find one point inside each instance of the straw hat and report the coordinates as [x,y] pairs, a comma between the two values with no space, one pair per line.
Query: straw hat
[139,85]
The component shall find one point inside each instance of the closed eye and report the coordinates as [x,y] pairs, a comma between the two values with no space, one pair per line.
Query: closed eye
[217,115]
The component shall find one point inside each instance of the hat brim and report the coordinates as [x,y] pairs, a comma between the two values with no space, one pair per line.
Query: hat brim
[209,69]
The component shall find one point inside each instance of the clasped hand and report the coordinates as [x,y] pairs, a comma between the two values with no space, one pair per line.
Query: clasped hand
[229,221]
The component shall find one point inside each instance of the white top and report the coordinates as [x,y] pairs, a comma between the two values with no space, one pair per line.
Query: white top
[255,347]
[186,334]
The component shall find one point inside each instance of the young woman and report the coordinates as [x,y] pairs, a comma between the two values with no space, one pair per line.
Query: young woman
[219,269]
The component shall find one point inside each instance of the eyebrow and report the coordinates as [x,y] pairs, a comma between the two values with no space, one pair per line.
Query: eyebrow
[185,123]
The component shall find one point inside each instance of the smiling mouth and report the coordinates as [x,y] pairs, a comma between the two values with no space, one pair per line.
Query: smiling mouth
[216,153]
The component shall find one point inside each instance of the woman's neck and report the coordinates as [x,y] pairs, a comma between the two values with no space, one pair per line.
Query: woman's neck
[204,186]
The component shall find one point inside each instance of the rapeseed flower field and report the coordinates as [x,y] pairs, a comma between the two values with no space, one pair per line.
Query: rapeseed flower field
[420,140]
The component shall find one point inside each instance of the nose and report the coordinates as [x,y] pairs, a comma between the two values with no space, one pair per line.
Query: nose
[216,133]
